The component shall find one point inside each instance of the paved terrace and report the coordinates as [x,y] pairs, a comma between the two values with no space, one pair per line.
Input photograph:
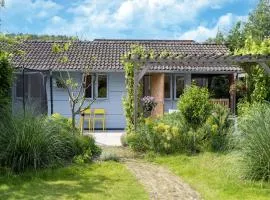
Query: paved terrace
[107,138]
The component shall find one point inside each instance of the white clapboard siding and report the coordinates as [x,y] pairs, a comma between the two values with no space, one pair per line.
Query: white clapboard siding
[113,104]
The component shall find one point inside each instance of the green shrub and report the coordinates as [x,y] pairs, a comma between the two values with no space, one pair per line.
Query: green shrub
[165,135]
[195,106]
[216,131]
[254,125]
[5,79]
[38,142]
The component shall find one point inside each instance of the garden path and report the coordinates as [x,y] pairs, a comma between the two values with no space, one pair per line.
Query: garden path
[158,181]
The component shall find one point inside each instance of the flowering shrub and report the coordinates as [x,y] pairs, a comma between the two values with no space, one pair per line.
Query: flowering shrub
[148,104]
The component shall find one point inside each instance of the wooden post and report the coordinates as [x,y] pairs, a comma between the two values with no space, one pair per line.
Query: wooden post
[135,98]
[51,91]
[232,80]
[157,91]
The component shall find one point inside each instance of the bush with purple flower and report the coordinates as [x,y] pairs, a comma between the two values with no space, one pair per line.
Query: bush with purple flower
[148,104]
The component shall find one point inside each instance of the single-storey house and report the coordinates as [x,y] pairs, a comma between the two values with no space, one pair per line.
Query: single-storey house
[39,66]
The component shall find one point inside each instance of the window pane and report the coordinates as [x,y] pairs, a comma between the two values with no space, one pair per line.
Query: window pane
[19,85]
[102,86]
[35,84]
[147,86]
[167,87]
[88,86]
[179,85]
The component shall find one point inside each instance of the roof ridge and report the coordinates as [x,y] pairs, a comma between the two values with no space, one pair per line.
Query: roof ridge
[142,40]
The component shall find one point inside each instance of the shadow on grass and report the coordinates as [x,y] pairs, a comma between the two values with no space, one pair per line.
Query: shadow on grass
[72,182]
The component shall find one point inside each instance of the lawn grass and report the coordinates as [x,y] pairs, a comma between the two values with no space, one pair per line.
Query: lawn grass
[105,180]
[215,176]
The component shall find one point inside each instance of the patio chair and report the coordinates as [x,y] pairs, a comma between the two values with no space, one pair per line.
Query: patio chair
[99,115]
[85,115]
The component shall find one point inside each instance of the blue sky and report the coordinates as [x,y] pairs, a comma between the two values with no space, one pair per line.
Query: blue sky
[125,19]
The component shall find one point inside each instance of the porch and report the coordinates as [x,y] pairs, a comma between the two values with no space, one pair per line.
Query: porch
[168,87]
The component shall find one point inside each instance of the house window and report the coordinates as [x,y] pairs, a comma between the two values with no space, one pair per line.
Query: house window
[102,86]
[179,86]
[32,85]
[19,86]
[147,85]
[88,86]
[167,86]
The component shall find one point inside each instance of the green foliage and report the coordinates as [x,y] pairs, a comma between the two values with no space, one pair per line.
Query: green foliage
[195,106]
[258,24]
[236,37]
[5,79]
[257,27]
[95,181]
[128,100]
[254,125]
[171,134]
[219,39]
[219,87]
[29,142]
[215,176]
[42,37]
[216,131]
[257,80]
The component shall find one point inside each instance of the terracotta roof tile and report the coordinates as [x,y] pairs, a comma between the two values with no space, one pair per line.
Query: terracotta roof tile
[107,53]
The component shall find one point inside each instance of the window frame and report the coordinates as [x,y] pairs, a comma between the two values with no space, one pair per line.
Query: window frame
[107,84]
[175,77]
[171,88]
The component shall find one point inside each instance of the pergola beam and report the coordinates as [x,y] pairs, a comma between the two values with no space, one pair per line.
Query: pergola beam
[192,59]
[265,67]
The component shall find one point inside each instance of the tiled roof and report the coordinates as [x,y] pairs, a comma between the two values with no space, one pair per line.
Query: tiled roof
[107,54]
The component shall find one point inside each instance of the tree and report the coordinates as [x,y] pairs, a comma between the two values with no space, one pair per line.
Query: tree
[218,39]
[5,78]
[258,24]
[8,48]
[75,89]
[258,81]
[236,38]
[257,27]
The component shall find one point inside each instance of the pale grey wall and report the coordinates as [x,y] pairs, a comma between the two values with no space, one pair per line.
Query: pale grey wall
[113,104]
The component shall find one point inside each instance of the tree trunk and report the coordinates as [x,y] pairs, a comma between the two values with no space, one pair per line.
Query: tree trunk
[73,118]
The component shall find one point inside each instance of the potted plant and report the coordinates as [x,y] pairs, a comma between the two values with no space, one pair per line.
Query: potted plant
[148,104]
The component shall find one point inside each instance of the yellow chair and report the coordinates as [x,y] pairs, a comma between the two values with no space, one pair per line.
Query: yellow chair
[99,115]
[85,114]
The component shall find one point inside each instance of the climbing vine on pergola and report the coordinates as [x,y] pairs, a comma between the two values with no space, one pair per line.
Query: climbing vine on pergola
[139,61]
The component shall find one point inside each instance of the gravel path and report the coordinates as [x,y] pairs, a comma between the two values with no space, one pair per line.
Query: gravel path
[160,183]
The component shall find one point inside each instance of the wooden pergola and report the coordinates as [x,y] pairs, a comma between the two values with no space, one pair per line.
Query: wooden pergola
[147,61]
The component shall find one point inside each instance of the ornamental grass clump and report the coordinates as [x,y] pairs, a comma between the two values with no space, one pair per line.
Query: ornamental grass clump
[29,142]
[254,125]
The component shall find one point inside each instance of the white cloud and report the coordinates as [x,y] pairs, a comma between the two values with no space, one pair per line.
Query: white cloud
[20,15]
[224,23]
[151,18]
